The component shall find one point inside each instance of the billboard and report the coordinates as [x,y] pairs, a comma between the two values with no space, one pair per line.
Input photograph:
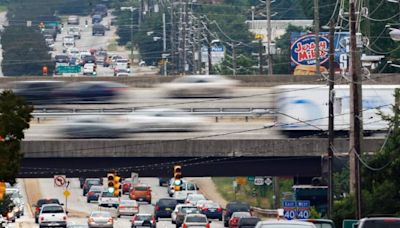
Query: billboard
[303,54]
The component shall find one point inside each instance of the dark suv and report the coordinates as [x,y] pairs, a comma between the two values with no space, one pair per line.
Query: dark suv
[40,203]
[234,207]
[164,208]
[89,182]
[374,222]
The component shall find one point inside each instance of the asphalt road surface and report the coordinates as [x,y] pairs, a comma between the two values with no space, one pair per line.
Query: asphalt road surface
[79,209]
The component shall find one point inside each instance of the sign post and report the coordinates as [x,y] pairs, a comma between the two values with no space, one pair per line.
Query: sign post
[66,193]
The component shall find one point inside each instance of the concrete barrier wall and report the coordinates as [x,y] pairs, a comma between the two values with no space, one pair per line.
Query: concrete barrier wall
[249,80]
[187,148]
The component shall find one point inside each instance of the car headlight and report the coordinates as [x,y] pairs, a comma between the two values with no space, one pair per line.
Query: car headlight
[10,214]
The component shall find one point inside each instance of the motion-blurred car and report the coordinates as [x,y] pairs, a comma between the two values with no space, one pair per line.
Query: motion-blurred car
[250,222]
[73,20]
[92,127]
[127,207]
[284,224]
[164,208]
[141,193]
[201,203]
[180,196]
[91,91]
[89,182]
[61,58]
[96,19]
[121,72]
[325,223]
[183,212]
[193,198]
[196,220]
[40,203]
[199,86]
[163,181]
[126,186]
[163,120]
[212,210]
[374,222]
[232,207]
[94,193]
[77,226]
[100,219]
[140,219]
[234,220]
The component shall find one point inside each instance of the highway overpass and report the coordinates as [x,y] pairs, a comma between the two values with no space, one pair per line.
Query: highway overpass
[201,157]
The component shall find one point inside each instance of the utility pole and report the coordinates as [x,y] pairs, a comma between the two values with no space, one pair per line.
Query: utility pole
[184,36]
[164,44]
[209,51]
[172,37]
[260,57]
[132,36]
[331,123]
[316,30]
[356,115]
[140,14]
[269,31]
[180,39]
[234,59]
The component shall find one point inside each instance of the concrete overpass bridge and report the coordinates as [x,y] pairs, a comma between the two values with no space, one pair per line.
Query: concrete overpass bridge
[302,158]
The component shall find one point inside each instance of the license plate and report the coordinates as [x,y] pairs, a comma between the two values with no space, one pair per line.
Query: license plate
[168,209]
[110,204]
[212,210]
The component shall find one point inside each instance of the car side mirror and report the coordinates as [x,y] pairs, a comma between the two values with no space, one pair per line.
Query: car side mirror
[209,221]
[61,204]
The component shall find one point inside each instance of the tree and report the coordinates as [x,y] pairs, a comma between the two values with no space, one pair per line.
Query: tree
[381,186]
[15,116]
[24,52]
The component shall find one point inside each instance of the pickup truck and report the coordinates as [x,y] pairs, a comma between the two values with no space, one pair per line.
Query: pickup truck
[52,215]
[107,199]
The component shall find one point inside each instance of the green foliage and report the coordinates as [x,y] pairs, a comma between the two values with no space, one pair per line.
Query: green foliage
[314,214]
[6,205]
[15,115]
[343,209]
[24,52]
[341,183]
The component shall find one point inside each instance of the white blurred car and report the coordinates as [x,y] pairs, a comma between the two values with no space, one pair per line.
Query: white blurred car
[199,86]
[284,224]
[163,120]
[93,127]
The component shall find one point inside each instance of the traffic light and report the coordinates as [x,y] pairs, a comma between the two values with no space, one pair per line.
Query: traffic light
[110,182]
[117,185]
[2,190]
[177,177]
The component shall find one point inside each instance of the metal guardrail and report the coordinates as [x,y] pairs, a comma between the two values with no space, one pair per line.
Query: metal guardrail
[54,112]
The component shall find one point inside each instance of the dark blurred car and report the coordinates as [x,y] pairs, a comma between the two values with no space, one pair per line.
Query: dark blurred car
[96,18]
[249,222]
[94,193]
[38,92]
[164,208]
[232,207]
[143,220]
[89,182]
[88,59]
[378,222]
[126,186]
[52,32]
[212,210]
[236,216]
[100,9]
[163,181]
[40,203]
[98,29]
[97,91]
[61,58]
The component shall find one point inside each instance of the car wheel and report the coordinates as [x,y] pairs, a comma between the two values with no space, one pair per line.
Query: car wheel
[226,224]
[36,220]
[220,219]
[177,226]
[119,216]
[173,222]
[88,201]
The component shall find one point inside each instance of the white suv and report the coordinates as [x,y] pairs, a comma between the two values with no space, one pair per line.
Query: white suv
[52,215]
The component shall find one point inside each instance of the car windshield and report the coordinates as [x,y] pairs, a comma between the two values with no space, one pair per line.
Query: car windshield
[127,202]
[52,209]
[211,205]
[47,201]
[386,223]
[93,182]
[189,209]
[190,187]
[101,214]
[167,202]
[196,197]
[107,194]
[141,188]
[196,219]
[241,214]
[96,189]
[143,217]
[285,226]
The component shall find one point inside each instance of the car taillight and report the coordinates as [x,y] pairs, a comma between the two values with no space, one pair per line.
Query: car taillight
[148,193]
[234,220]
[38,209]
[154,220]
[219,209]
[41,218]
[91,220]
[65,217]
[208,225]
[90,193]
[157,208]
[204,209]
[184,226]
[121,206]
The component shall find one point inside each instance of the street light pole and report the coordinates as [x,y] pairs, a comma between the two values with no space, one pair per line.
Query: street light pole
[164,44]
[131,36]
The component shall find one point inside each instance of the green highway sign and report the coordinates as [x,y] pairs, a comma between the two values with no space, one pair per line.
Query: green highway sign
[68,69]
[349,223]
